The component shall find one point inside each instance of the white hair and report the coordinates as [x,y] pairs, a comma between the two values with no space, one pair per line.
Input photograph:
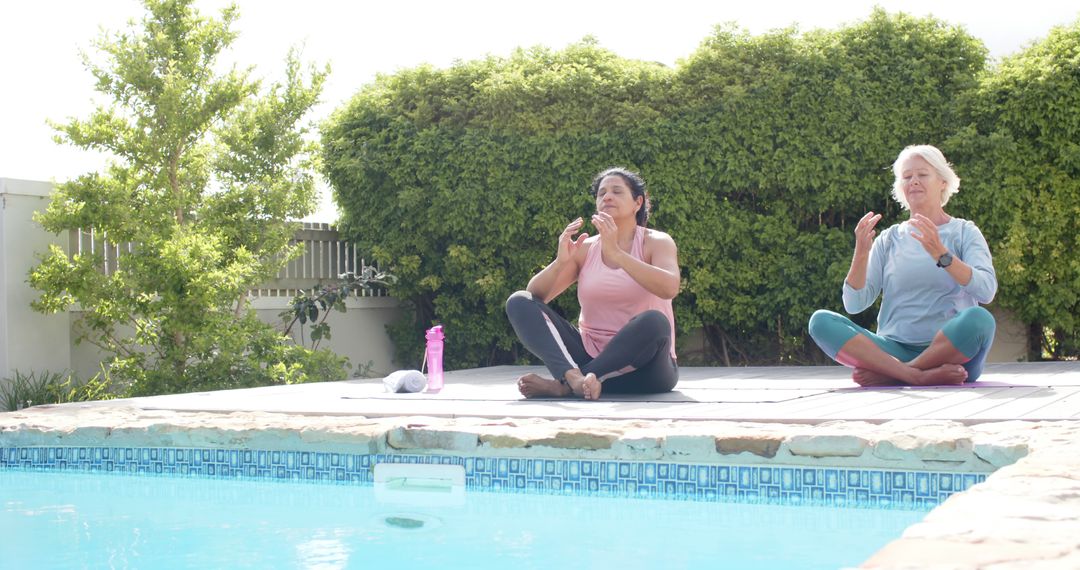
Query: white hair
[932,155]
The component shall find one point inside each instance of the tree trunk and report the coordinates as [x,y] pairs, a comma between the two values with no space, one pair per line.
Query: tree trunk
[1058,352]
[174,184]
[1035,342]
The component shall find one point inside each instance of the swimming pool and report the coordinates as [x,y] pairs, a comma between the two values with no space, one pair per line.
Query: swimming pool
[70,519]
[189,507]
[746,483]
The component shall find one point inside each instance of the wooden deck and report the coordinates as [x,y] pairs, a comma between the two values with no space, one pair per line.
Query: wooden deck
[1015,391]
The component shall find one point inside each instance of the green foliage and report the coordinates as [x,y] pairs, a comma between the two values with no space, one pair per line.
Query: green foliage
[35,389]
[314,306]
[444,163]
[247,354]
[208,168]
[1020,151]
[783,143]
[761,152]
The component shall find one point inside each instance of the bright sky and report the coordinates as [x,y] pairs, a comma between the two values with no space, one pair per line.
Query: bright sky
[42,76]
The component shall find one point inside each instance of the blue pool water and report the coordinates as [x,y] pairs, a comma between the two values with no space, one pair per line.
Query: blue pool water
[81,520]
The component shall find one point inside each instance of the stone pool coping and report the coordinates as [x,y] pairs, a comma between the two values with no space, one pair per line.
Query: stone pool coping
[1025,515]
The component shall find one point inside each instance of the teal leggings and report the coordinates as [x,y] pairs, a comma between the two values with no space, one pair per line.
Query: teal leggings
[971,331]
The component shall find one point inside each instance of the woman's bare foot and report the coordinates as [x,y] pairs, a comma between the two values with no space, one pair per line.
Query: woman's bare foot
[869,379]
[536,386]
[575,380]
[944,375]
[584,385]
[591,387]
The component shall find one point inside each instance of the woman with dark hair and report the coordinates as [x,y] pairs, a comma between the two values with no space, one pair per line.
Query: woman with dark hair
[627,276]
[931,271]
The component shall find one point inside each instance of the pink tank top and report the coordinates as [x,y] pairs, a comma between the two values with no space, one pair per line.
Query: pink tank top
[609,298]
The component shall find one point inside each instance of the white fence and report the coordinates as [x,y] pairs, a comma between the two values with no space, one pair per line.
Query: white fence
[324,259]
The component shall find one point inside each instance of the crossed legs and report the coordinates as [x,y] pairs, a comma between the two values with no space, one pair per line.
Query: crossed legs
[875,367]
[554,341]
[954,356]
[643,346]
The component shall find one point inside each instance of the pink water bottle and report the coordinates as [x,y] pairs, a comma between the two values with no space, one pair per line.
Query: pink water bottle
[433,356]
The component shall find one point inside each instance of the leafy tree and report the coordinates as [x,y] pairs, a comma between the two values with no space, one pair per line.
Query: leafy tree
[208,168]
[1020,158]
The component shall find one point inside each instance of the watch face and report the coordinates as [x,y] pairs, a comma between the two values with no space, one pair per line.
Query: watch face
[945,260]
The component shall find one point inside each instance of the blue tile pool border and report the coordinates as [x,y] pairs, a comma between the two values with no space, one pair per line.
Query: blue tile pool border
[872,488]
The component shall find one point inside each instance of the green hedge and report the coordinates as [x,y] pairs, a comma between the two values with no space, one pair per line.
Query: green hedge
[460,179]
[1020,152]
[760,152]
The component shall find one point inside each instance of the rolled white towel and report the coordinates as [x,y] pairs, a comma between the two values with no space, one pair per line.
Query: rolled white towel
[405,381]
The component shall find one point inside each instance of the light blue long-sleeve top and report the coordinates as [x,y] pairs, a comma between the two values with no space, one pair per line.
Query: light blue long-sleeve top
[918,297]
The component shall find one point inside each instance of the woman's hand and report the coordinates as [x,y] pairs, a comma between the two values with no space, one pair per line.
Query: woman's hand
[567,244]
[561,273]
[926,233]
[865,232]
[609,236]
[864,240]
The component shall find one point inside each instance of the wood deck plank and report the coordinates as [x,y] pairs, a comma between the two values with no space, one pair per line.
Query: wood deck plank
[986,400]
[1067,407]
[914,403]
[1028,406]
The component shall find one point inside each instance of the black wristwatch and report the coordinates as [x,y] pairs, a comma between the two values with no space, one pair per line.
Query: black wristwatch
[945,260]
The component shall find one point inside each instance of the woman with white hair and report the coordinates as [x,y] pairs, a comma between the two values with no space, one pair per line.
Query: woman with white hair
[932,272]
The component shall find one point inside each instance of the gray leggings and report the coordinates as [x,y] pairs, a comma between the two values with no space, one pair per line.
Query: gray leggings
[644,343]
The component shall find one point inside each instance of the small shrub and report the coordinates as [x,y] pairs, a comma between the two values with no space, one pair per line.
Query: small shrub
[34,389]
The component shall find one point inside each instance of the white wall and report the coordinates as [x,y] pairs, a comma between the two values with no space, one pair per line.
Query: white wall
[1010,338]
[29,340]
[359,333]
